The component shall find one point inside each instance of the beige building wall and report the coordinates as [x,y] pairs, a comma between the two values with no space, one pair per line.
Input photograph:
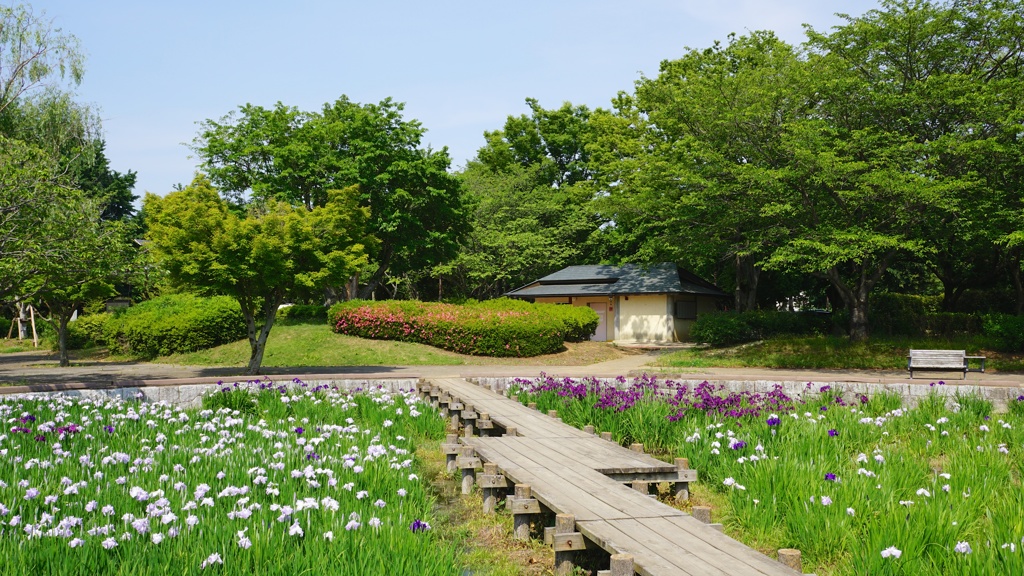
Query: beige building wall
[645,319]
[683,327]
[648,318]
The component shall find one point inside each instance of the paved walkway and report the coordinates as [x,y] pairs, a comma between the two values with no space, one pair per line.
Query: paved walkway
[32,368]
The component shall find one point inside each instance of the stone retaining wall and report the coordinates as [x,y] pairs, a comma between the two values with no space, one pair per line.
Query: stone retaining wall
[190,395]
[911,393]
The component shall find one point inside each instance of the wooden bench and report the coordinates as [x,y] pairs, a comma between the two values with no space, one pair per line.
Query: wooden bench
[942,360]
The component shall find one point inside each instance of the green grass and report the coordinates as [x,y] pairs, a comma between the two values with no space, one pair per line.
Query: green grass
[833,353]
[316,345]
[842,480]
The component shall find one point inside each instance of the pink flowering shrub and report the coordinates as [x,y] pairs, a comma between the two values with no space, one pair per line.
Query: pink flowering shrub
[493,328]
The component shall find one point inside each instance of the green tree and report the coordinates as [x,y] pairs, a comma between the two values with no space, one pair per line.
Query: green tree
[416,206]
[948,74]
[531,213]
[94,176]
[30,191]
[34,55]
[95,254]
[690,167]
[272,252]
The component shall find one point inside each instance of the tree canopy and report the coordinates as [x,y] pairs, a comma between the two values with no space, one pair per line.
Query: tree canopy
[273,252]
[416,206]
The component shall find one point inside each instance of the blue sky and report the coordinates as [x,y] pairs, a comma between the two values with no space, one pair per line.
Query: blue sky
[155,69]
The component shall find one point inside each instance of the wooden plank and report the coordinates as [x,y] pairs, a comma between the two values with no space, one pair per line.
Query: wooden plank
[568,483]
[569,542]
[525,506]
[720,550]
[647,562]
[694,530]
[607,457]
[659,545]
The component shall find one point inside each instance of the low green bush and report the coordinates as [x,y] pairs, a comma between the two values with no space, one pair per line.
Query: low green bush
[5,325]
[89,330]
[722,329]
[174,323]
[729,328]
[1007,330]
[894,314]
[579,321]
[302,314]
[501,327]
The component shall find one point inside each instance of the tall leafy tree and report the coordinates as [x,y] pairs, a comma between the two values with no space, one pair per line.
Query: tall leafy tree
[532,214]
[95,256]
[691,165]
[948,76]
[416,206]
[272,252]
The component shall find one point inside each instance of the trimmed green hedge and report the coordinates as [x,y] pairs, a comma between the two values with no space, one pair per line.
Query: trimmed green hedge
[501,327]
[88,331]
[1007,330]
[302,314]
[728,328]
[172,324]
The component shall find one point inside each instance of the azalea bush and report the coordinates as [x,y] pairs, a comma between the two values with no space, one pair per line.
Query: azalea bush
[300,480]
[860,485]
[493,328]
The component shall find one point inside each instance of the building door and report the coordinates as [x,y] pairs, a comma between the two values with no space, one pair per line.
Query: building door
[601,333]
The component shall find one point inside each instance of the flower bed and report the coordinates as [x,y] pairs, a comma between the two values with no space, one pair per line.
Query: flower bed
[494,328]
[267,479]
[859,485]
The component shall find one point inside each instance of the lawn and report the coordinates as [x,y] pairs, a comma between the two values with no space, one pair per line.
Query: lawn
[316,345]
[879,353]
[860,485]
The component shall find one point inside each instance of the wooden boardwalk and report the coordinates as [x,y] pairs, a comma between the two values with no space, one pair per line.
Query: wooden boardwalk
[598,486]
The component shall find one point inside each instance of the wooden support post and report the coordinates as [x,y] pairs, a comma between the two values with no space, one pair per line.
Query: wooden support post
[490,482]
[621,565]
[567,541]
[642,486]
[791,557]
[637,447]
[606,436]
[451,449]
[468,463]
[511,431]
[523,507]
[484,424]
[553,414]
[532,405]
[717,526]
[468,430]
[682,486]
[589,428]
[702,513]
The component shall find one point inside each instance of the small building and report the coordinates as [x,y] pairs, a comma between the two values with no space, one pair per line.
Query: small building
[656,303]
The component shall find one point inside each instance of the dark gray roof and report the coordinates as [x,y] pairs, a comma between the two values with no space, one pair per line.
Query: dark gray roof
[601,280]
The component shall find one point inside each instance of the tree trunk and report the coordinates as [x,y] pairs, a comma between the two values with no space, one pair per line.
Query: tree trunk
[384,261]
[62,338]
[747,276]
[23,322]
[1018,286]
[258,340]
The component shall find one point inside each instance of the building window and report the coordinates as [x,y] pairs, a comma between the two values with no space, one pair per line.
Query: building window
[686,310]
